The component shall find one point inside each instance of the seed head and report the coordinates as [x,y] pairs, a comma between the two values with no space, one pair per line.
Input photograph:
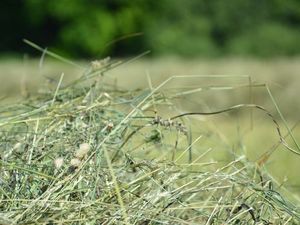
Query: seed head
[75,162]
[58,162]
[110,126]
[82,151]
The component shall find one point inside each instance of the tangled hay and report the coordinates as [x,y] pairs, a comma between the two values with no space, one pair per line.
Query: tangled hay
[90,154]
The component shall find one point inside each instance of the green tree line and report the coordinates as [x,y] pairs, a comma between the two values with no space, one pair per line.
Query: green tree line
[96,28]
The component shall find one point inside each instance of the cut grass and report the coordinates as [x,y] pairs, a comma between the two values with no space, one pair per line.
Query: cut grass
[139,185]
[136,167]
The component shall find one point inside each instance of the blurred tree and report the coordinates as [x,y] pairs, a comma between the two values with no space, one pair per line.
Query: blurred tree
[97,28]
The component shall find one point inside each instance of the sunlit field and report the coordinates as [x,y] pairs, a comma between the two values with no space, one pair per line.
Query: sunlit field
[245,111]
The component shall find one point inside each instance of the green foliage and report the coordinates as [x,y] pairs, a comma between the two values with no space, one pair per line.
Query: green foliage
[265,40]
[189,28]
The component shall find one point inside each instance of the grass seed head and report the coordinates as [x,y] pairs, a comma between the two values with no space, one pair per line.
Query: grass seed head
[82,151]
[58,162]
[75,162]
[98,64]
[110,126]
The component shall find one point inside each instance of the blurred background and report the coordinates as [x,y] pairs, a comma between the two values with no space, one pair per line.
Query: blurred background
[246,37]
[193,28]
[259,38]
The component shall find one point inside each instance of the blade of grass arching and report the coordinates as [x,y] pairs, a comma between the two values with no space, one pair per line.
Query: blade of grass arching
[283,141]
[282,117]
[123,37]
[117,188]
[52,54]
[263,158]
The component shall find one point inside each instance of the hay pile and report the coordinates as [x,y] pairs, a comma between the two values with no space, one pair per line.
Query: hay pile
[88,153]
